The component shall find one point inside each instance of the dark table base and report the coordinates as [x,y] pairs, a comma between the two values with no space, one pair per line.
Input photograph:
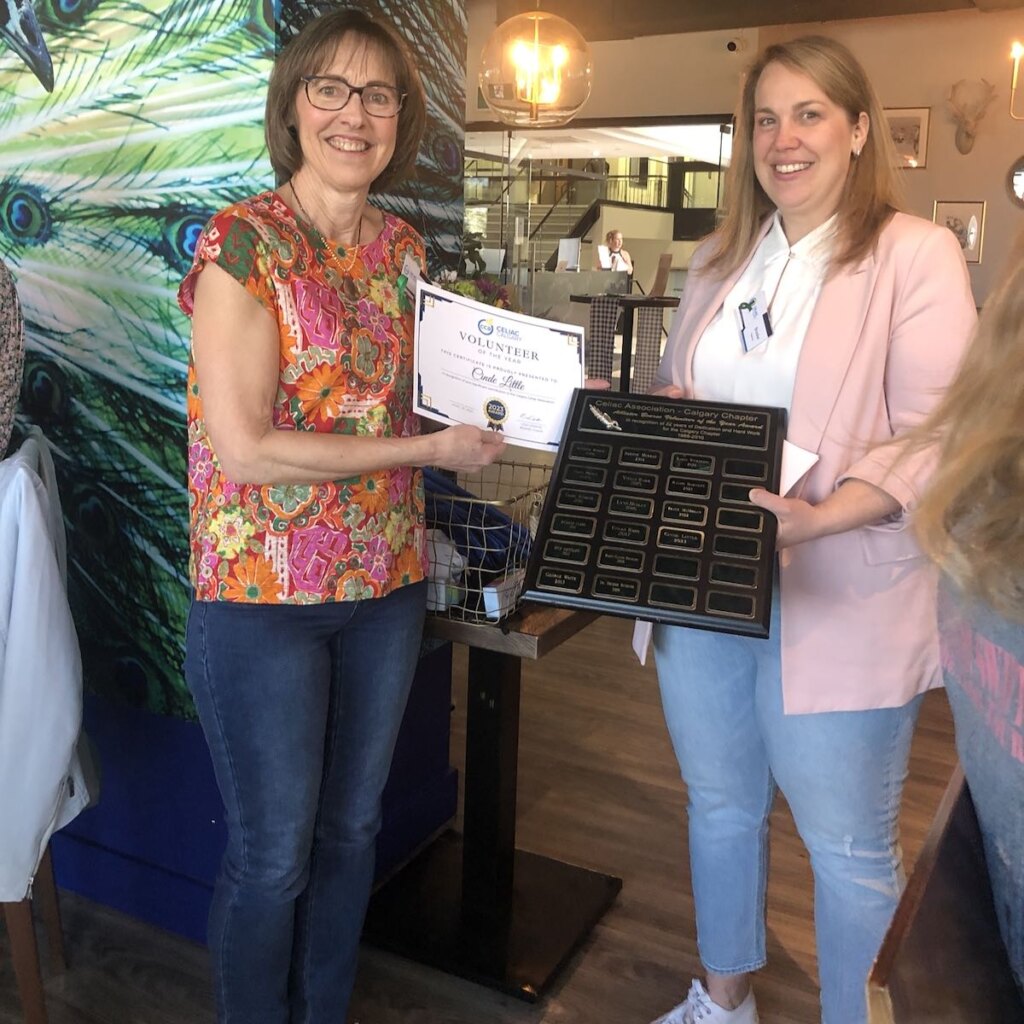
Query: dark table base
[517,948]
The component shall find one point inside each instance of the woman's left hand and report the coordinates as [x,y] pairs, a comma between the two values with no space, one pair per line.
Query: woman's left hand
[798,519]
[853,504]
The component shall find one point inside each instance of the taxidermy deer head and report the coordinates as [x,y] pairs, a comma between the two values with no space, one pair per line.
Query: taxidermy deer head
[968,102]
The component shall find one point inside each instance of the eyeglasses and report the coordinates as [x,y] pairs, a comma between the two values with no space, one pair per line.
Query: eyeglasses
[328,92]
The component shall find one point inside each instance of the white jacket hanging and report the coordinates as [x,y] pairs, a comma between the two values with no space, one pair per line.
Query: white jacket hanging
[41,783]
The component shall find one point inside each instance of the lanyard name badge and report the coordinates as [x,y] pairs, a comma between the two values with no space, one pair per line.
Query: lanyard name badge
[755,322]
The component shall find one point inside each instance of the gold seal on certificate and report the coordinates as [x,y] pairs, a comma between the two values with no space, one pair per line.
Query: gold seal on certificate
[494,369]
[496,413]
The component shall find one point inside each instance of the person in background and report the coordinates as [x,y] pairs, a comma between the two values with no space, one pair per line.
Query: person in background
[308,555]
[971,522]
[620,259]
[817,297]
[12,355]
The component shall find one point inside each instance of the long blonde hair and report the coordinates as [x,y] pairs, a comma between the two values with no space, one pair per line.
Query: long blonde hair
[971,520]
[871,193]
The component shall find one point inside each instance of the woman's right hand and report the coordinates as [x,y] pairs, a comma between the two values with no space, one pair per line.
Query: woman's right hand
[668,391]
[466,448]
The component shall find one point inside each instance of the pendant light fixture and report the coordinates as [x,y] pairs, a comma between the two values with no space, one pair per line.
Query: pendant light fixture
[535,71]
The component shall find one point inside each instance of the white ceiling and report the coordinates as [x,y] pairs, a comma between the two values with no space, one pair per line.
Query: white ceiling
[693,141]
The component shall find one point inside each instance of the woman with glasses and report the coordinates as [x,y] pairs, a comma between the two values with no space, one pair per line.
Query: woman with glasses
[308,556]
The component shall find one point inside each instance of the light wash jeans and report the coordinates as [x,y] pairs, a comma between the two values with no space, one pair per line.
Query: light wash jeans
[301,707]
[842,774]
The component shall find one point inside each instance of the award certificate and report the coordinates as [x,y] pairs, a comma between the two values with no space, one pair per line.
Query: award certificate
[495,369]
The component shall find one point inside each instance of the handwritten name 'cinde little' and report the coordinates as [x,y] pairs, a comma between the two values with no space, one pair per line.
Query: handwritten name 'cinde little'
[498,347]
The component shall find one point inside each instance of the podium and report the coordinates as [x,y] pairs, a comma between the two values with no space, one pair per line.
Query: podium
[472,904]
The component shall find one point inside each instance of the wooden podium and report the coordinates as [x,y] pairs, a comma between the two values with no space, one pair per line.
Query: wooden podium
[942,960]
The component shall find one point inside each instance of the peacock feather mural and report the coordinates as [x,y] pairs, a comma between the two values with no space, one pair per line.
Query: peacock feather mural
[123,125]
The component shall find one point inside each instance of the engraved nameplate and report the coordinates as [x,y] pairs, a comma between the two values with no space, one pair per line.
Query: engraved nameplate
[648,512]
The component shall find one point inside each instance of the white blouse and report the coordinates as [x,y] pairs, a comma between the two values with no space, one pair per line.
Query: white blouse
[787,279]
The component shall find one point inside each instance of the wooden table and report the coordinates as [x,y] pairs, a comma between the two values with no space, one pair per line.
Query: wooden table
[629,304]
[474,905]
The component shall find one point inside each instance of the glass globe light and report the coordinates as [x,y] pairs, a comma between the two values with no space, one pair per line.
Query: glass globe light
[535,70]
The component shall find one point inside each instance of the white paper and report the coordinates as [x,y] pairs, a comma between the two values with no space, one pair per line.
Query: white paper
[569,252]
[642,633]
[494,369]
[796,461]
[604,257]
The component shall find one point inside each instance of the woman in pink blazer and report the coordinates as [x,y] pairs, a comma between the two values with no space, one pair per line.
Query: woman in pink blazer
[855,318]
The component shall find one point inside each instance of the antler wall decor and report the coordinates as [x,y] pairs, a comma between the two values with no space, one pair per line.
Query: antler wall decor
[968,102]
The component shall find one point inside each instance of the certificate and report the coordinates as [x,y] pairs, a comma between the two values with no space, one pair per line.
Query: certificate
[491,368]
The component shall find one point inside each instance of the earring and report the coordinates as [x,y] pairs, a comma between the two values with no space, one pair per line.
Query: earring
[856,154]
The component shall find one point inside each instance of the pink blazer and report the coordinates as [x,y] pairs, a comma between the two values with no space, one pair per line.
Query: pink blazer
[886,337]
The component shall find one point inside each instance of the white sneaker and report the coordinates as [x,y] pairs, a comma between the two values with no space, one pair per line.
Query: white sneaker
[698,1008]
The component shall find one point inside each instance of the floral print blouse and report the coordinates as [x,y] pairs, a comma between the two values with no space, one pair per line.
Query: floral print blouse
[345,326]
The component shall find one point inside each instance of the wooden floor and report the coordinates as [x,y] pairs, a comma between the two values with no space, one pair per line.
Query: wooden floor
[598,786]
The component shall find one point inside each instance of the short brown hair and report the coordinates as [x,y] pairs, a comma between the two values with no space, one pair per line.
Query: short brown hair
[309,53]
[871,193]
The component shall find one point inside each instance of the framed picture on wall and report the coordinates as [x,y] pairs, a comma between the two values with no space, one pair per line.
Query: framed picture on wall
[908,129]
[967,221]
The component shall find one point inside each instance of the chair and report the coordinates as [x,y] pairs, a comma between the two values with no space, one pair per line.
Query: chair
[42,783]
[942,960]
[24,948]
[600,346]
[650,327]
[661,274]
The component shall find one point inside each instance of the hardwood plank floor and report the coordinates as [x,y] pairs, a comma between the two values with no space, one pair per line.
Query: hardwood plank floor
[598,786]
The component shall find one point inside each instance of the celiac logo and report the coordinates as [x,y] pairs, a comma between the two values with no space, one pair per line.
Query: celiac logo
[486,327]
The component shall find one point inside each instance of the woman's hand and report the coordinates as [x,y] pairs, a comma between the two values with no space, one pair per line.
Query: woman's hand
[668,391]
[466,448]
[597,384]
[798,519]
[853,504]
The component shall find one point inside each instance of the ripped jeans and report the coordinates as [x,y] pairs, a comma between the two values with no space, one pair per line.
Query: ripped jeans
[841,773]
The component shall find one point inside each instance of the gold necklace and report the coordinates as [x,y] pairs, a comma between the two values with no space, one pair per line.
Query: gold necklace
[309,220]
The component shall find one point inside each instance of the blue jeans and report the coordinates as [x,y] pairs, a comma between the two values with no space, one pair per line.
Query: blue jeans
[301,708]
[842,774]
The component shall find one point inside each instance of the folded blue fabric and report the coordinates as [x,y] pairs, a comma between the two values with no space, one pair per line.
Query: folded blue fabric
[482,532]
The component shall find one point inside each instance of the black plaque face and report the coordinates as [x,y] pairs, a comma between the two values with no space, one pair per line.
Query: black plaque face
[648,514]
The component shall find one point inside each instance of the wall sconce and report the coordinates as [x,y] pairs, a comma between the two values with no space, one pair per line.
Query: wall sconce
[1016,52]
[535,70]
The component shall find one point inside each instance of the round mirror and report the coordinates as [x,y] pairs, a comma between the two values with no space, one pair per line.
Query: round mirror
[1015,182]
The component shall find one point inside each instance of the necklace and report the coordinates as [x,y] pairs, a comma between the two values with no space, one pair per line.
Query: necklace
[309,221]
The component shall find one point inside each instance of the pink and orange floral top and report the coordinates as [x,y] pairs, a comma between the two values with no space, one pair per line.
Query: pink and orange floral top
[345,324]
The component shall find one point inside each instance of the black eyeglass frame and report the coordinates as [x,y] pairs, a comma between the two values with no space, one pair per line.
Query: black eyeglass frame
[307,80]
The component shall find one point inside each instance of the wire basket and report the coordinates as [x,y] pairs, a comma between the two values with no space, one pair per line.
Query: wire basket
[481,527]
